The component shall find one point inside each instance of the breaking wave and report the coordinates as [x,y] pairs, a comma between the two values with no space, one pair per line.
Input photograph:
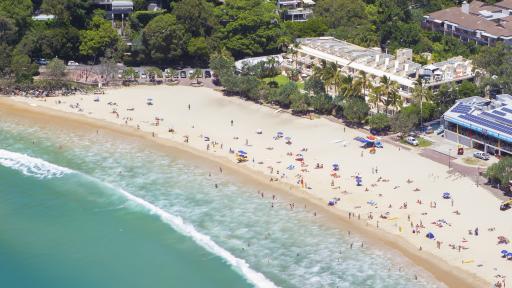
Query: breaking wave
[31,166]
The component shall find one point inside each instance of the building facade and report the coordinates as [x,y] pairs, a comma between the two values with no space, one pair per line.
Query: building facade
[482,23]
[399,68]
[481,123]
[295,10]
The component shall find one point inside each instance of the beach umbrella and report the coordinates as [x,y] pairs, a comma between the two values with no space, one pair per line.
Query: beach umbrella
[430,235]
[287,138]
[504,252]
[242,152]
[509,254]
[446,195]
[280,134]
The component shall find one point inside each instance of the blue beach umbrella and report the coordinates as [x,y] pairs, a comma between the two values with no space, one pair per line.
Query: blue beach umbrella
[504,252]
[430,235]
[280,134]
[509,254]
[446,195]
[242,152]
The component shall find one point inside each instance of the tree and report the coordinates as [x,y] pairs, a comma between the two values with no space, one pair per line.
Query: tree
[72,12]
[314,85]
[284,93]
[153,73]
[390,14]
[341,13]
[497,62]
[23,69]
[56,69]
[196,15]
[418,94]
[129,73]
[375,97]
[107,68]
[164,39]
[250,27]
[18,10]
[98,38]
[389,90]
[8,30]
[467,89]
[196,74]
[50,42]
[199,50]
[314,27]
[404,121]
[299,103]
[223,66]
[355,110]
[379,121]
[321,103]
[501,171]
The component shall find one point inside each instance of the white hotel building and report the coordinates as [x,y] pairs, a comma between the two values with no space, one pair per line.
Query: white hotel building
[400,68]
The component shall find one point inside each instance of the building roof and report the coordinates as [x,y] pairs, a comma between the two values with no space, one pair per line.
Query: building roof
[374,62]
[43,17]
[255,60]
[489,117]
[500,26]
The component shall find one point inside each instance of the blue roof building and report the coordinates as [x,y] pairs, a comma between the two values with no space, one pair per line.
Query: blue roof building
[481,123]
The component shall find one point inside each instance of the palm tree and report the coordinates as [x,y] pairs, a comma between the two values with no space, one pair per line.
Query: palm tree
[363,83]
[196,74]
[389,90]
[419,95]
[170,73]
[331,75]
[348,87]
[375,97]
[394,101]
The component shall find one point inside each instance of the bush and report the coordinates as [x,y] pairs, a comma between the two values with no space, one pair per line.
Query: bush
[355,109]
[379,121]
[500,172]
[140,19]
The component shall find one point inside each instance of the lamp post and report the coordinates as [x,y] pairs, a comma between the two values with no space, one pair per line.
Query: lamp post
[449,158]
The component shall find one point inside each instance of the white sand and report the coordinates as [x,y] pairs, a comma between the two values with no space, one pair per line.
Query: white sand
[211,113]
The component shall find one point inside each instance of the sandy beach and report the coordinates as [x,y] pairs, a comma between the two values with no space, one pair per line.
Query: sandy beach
[399,200]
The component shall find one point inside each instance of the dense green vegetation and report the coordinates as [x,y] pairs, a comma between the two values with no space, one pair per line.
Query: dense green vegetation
[500,172]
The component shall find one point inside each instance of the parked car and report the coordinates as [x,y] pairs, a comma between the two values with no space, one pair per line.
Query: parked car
[429,130]
[183,74]
[481,155]
[207,74]
[73,63]
[41,61]
[440,130]
[412,141]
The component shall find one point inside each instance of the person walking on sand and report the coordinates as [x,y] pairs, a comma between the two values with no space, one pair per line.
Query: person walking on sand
[231,123]
[188,107]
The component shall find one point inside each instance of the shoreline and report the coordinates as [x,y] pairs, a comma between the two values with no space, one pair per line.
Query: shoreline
[450,275]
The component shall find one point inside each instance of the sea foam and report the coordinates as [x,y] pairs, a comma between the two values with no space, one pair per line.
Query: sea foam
[43,170]
[176,222]
[31,166]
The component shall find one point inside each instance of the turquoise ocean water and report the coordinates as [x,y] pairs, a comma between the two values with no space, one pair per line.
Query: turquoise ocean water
[87,210]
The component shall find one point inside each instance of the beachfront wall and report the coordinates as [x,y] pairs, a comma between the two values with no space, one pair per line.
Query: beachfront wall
[469,137]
